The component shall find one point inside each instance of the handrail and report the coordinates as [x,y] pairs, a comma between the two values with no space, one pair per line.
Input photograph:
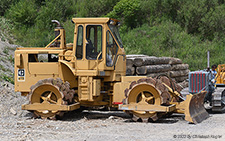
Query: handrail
[53,40]
[75,64]
[97,61]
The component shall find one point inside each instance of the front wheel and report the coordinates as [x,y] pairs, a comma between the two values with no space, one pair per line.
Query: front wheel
[144,93]
[53,92]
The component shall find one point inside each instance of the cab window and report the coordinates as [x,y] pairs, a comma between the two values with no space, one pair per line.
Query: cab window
[79,48]
[94,41]
[111,49]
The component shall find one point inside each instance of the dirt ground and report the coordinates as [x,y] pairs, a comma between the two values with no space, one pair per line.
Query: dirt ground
[95,125]
[16,124]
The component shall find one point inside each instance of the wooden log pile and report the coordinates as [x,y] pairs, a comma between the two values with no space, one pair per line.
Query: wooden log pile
[152,66]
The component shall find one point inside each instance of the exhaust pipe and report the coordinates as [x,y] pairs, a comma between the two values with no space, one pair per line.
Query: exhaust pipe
[59,29]
[208,61]
[56,22]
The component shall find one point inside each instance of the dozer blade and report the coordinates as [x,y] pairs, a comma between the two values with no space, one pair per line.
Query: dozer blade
[193,108]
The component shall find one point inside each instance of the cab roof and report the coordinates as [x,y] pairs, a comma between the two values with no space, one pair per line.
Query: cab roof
[92,20]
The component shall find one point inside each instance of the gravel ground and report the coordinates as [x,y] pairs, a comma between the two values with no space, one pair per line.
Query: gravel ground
[16,124]
[6,62]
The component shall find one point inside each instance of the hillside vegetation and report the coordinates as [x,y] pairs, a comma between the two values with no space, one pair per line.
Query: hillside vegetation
[178,28]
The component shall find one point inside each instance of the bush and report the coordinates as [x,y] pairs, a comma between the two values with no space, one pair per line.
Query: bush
[69,28]
[54,10]
[34,36]
[5,4]
[212,24]
[5,30]
[155,11]
[128,11]
[23,13]
[191,13]
[94,8]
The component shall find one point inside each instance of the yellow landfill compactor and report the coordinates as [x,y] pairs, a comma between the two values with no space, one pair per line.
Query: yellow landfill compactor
[91,72]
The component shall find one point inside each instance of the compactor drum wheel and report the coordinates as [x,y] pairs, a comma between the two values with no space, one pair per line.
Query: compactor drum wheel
[53,92]
[144,92]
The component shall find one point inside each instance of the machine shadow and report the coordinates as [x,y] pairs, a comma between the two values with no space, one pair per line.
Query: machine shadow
[164,120]
[104,115]
[213,112]
[94,114]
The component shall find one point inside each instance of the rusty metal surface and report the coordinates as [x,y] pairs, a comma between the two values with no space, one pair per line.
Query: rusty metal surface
[196,110]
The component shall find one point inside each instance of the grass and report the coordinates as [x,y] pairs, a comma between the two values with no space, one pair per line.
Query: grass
[11,59]
[6,50]
[5,32]
[10,78]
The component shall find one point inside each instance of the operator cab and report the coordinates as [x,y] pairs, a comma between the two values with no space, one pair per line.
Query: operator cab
[97,39]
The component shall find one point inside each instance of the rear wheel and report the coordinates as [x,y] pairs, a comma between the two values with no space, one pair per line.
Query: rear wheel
[147,91]
[53,92]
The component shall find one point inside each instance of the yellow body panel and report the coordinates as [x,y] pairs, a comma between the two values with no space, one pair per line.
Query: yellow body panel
[90,20]
[220,77]
[53,107]
[119,87]
[47,68]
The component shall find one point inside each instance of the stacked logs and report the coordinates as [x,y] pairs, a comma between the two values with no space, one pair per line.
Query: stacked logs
[152,66]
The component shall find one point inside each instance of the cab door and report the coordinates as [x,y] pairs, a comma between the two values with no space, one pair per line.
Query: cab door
[111,50]
[89,46]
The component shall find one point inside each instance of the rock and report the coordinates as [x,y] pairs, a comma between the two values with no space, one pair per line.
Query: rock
[5,85]
[13,111]
[111,117]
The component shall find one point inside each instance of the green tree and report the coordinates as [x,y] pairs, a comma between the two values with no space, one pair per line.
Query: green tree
[212,24]
[22,13]
[5,4]
[94,8]
[54,9]
[160,10]
[128,11]
[191,13]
